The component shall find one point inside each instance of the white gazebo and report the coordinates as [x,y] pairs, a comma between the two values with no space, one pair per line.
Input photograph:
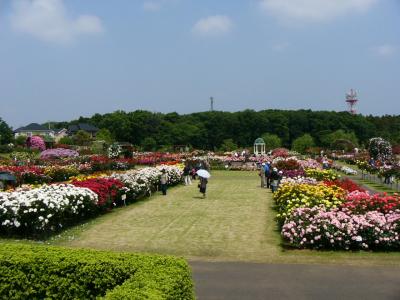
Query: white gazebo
[259,147]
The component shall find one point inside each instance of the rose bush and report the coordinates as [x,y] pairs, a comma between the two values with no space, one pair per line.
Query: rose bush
[45,209]
[298,180]
[319,228]
[292,196]
[361,202]
[58,153]
[322,174]
[346,184]
[108,190]
[36,142]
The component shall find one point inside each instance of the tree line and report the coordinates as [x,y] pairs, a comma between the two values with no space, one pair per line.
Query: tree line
[213,130]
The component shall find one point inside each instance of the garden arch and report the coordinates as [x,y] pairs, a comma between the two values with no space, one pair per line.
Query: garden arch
[259,147]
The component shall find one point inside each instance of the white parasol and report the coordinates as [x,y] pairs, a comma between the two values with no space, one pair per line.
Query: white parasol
[203,173]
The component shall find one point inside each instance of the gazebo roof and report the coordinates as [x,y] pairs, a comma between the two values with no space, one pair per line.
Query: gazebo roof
[259,141]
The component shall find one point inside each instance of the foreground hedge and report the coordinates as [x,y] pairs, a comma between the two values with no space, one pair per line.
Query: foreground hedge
[38,272]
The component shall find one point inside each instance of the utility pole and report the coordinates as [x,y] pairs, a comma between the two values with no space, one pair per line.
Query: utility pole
[212,103]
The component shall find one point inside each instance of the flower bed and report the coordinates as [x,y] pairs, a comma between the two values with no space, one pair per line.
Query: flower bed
[348,170]
[108,190]
[61,173]
[336,214]
[58,153]
[45,209]
[319,228]
[361,202]
[144,181]
[28,174]
[322,174]
[292,196]
[51,207]
[298,180]
[346,184]
[293,173]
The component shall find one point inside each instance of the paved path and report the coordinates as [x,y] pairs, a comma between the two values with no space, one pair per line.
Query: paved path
[243,281]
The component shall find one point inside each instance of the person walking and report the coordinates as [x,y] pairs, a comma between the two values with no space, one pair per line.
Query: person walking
[275,177]
[203,186]
[186,174]
[267,169]
[163,182]
[262,175]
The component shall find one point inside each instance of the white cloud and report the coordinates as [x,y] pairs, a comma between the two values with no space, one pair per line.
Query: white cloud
[213,26]
[313,10]
[386,50]
[48,21]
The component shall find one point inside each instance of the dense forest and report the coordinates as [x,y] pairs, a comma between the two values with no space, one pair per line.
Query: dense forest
[208,130]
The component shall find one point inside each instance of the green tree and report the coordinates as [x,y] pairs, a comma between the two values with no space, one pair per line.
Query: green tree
[302,143]
[6,134]
[149,144]
[228,145]
[272,141]
[330,139]
[20,140]
[208,130]
[82,138]
[104,135]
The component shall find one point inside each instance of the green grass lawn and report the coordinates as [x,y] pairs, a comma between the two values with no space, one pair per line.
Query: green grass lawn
[234,223]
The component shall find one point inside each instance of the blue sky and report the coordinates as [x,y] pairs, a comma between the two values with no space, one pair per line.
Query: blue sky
[61,59]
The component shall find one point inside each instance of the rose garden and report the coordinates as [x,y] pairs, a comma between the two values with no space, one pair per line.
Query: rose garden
[321,213]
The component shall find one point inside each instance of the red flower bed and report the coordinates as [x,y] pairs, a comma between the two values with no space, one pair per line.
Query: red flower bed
[106,188]
[361,202]
[280,152]
[157,158]
[346,184]
[290,164]
[27,174]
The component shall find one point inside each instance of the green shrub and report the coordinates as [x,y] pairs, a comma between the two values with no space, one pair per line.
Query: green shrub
[39,272]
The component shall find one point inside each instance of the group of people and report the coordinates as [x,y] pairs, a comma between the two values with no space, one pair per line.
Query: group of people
[189,174]
[270,176]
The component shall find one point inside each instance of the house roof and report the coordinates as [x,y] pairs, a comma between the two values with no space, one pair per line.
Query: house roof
[88,127]
[82,126]
[32,127]
[58,131]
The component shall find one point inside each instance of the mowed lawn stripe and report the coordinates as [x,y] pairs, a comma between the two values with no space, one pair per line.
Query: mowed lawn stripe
[231,222]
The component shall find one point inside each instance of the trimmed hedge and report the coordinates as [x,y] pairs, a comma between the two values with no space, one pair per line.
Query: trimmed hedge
[40,272]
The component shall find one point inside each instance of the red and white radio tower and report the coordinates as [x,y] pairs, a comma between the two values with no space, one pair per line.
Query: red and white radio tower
[351,99]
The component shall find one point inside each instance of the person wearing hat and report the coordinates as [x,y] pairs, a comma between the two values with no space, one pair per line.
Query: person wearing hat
[275,177]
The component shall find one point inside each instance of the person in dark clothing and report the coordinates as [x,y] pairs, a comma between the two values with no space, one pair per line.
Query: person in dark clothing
[267,169]
[275,177]
[186,175]
[203,186]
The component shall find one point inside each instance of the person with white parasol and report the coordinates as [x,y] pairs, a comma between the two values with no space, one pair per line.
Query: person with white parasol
[204,175]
